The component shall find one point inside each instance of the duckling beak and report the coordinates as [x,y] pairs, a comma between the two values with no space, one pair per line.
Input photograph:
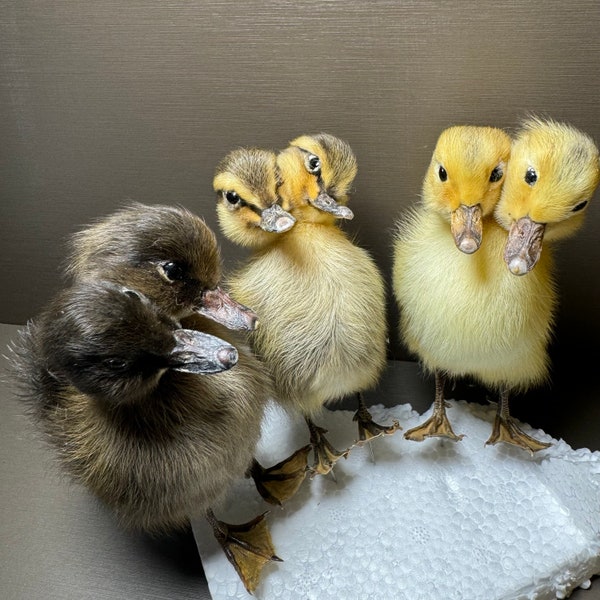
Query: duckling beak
[219,306]
[276,220]
[326,203]
[465,224]
[200,353]
[524,245]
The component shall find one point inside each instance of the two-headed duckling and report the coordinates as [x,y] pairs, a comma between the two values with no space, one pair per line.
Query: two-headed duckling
[140,412]
[457,308]
[320,297]
[553,172]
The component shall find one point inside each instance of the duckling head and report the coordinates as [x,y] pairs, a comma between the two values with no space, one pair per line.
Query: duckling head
[553,172]
[248,206]
[167,253]
[317,172]
[464,179]
[113,344]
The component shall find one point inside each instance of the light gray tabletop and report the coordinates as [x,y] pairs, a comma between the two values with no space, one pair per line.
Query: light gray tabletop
[58,543]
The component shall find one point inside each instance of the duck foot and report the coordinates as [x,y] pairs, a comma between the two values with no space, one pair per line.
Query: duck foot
[247,546]
[280,482]
[368,429]
[506,430]
[437,425]
[325,454]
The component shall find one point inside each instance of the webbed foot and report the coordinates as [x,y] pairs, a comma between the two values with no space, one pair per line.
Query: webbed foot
[437,425]
[248,547]
[280,482]
[506,430]
[368,429]
[325,455]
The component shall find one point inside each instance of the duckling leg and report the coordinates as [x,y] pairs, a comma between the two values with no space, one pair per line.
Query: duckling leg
[367,428]
[280,482]
[248,547]
[506,430]
[325,454]
[438,424]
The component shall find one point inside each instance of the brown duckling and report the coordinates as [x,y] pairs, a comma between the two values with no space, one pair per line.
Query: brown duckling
[123,394]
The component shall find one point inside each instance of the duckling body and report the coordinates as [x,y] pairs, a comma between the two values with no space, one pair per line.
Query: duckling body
[321,339]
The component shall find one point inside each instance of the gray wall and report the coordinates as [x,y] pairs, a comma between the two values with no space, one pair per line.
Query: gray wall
[106,101]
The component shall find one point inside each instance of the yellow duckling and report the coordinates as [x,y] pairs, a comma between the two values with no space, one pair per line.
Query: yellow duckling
[320,297]
[461,311]
[553,173]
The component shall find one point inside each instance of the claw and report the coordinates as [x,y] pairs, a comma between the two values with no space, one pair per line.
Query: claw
[248,547]
[280,482]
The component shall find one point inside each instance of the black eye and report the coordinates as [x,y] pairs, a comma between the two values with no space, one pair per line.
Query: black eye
[442,173]
[313,164]
[496,175]
[115,364]
[530,176]
[173,271]
[231,197]
[580,206]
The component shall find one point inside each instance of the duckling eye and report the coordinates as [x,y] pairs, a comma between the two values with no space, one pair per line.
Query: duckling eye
[442,174]
[231,197]
[580,206]
[530,176]
[173,271]
[313,164]
[115,364]
[496,175]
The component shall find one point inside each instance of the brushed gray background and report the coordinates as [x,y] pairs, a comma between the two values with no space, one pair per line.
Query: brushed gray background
[105,101]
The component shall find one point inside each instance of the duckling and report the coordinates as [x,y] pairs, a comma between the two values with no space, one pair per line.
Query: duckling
[166,252]
[123,394]
[553,173]
[321,296]
[458,306]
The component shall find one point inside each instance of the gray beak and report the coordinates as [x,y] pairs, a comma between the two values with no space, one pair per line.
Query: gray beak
[466,227]
[222,308]
[276,220]
[326,203]
[524,245]
[201,353]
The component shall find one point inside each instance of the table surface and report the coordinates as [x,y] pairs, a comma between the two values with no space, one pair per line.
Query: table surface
[58,542]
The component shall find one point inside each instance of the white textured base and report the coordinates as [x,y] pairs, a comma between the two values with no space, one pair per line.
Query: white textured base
[430,520]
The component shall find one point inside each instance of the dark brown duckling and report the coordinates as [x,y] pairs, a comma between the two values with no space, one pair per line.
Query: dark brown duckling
[123,394]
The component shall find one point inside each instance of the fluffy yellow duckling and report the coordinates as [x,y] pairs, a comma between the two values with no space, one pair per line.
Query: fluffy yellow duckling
[553,173]
[320,297]
[461,311]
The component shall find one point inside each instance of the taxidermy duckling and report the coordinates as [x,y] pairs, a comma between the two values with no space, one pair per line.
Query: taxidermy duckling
[553,173]
[458,307]
[320,296]
[166,252]
[123,394]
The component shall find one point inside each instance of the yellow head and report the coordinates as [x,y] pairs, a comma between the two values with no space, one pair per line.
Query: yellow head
[464,179]
[246,181]
[553,173]
[317,172]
